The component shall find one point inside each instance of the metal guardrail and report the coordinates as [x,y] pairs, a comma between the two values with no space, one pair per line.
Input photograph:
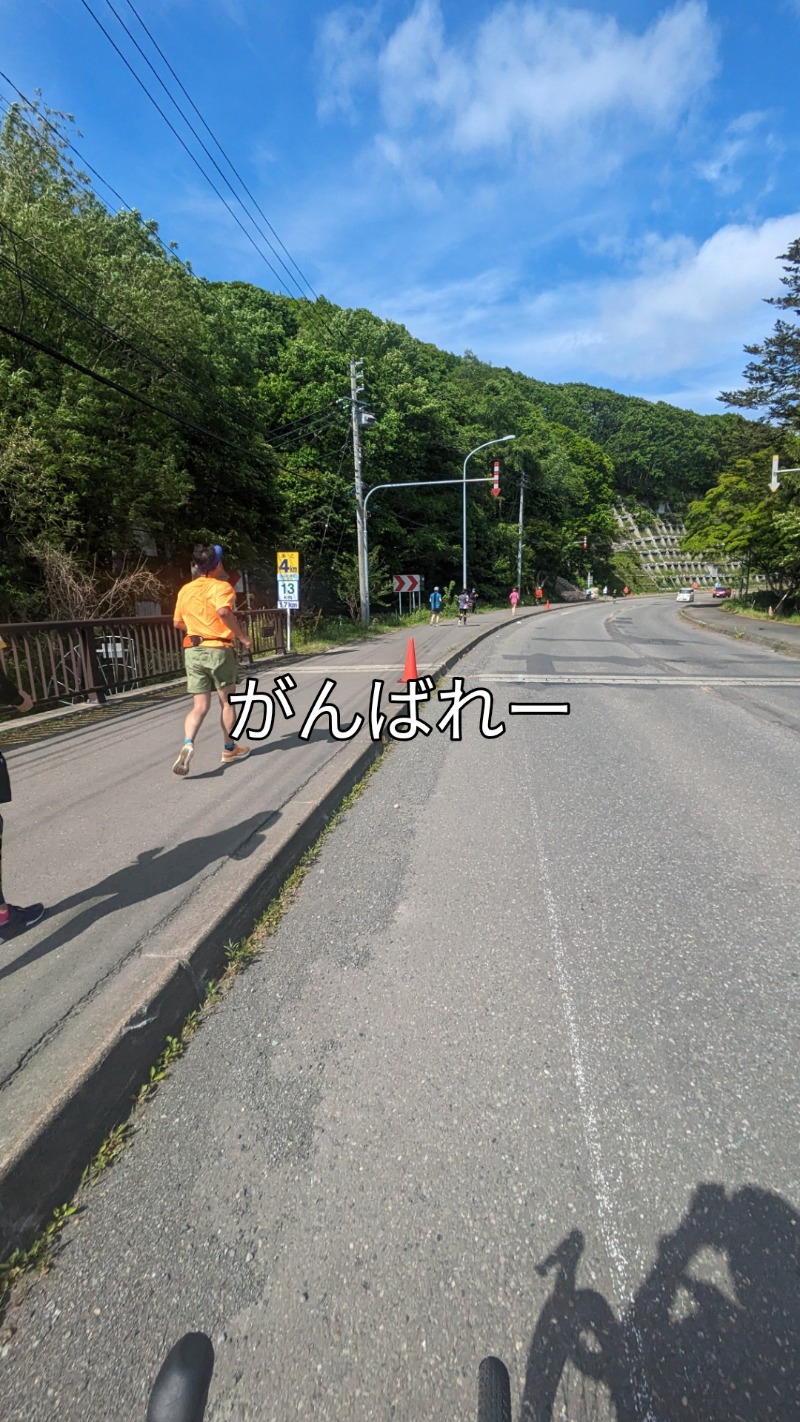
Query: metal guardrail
[67,662]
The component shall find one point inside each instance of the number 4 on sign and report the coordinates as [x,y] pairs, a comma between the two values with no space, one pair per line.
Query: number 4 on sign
[284,565]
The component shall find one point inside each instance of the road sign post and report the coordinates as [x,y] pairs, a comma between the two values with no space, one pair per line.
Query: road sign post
[289,589]
[406,583]
[775,482]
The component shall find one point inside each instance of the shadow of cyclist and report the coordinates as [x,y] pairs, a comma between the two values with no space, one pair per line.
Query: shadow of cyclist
[154,871]
[688,1347]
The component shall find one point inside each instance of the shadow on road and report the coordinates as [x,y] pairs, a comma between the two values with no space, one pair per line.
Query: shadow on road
[712,1335]
[154,871]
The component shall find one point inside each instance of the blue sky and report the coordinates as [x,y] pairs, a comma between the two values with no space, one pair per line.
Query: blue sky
[594,192]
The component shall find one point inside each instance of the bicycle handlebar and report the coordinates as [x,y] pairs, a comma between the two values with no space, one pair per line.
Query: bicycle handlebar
[180,1391]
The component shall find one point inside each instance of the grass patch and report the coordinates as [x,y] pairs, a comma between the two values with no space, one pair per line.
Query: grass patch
[24,1263]
[781,619]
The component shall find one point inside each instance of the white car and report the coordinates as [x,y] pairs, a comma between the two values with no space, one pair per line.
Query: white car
[685,595]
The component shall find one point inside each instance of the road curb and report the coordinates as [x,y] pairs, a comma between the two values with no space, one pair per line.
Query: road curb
[102,1059]
[740,633]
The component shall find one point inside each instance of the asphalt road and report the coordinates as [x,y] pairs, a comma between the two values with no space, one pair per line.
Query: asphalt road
[537,1000]
[116,845]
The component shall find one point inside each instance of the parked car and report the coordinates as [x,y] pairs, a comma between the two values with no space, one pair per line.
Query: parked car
[721,592]
[685,595]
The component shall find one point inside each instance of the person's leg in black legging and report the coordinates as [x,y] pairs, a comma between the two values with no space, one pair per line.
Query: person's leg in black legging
[13,919]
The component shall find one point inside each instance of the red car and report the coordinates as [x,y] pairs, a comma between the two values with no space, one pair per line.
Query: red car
[722,592]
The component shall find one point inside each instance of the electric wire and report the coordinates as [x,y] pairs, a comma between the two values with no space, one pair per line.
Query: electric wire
[185,146]
[39,283]
[173,415]
[170,253]
[228,160]
[196,135]
[302,295]
[169,250]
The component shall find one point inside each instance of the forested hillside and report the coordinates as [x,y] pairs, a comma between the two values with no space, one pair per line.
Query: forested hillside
[142,407]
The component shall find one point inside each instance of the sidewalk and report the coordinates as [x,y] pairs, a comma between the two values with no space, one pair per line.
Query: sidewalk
[715,617]
[146,878]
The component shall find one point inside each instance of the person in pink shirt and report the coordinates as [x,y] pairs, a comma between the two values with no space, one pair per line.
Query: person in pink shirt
[513,598]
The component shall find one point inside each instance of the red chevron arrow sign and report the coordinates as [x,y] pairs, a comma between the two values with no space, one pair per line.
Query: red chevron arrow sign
[407,582]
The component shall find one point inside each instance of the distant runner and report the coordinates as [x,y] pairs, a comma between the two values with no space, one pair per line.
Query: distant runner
[513,598]
[204,612]
[435,601]
[13,919]
[463,606]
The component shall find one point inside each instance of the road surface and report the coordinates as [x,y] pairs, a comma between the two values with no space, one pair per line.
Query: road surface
[537,1000]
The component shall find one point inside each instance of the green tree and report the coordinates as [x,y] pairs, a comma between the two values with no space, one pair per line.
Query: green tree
[773,380]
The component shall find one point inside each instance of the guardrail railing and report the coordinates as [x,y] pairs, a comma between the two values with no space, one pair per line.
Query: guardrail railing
[66,662]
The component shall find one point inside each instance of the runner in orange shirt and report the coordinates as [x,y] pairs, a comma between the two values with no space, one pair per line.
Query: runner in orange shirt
[204,611]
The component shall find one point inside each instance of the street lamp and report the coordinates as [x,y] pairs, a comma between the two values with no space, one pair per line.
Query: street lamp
[501,440]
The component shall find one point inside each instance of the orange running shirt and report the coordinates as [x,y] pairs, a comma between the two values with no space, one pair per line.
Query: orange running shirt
[197,607]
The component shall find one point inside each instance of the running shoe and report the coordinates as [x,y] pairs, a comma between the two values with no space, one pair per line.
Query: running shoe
[19,919]
[181,766]
[238,753]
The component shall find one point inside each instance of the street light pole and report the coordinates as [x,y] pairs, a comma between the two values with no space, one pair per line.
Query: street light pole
[519,531]
[501,440]
[355,409]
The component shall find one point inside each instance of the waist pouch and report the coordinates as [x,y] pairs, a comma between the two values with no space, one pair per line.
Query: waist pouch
[5,783]
[209,642]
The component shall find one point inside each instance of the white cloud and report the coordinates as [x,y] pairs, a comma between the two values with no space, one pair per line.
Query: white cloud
[739,141]
[678,324]
[344,56]
[529,74]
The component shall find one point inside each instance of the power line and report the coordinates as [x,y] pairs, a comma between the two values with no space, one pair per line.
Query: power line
[185,146]
[209,155]
[168,251]
[196,135]
[228,160]
[131,394]
[39,283]
[285,431]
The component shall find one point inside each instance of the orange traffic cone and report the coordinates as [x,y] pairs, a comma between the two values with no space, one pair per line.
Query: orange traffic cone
[410,668]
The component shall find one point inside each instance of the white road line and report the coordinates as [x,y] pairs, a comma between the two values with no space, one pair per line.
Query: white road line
[599,679]
[377,667]
[634,1343]
[541,708]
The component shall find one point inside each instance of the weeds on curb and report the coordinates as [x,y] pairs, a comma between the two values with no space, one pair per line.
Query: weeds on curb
[39,1257]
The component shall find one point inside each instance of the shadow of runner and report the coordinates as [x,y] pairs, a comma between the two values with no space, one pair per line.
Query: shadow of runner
[153,872]
[690,1346]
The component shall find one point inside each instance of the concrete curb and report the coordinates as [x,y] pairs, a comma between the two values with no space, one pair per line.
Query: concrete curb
[742,633]
[102,1060]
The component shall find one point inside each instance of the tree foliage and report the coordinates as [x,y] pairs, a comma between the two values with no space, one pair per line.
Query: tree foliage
[742,516]
[773,381]
[141,405]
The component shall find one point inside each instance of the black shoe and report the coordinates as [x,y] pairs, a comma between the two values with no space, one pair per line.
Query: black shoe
[19,919]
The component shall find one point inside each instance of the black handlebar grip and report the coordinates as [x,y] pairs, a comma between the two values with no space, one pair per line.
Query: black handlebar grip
[180,1391]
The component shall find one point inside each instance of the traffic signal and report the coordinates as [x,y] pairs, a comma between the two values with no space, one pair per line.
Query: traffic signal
[496,478]
[585,543]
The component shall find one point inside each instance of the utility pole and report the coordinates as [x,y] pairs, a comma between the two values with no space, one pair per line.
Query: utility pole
[361,522]
[519,530]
